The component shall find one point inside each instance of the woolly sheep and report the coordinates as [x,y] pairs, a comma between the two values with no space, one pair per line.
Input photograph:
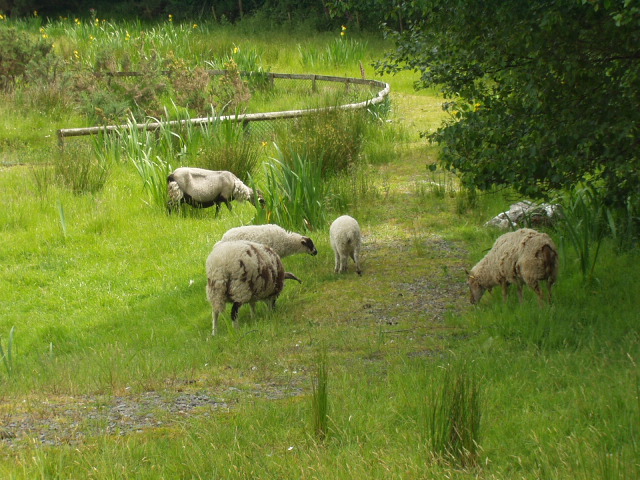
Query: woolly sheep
[521,257]
[283,242]
[242,272]
[346,242]
[204,188]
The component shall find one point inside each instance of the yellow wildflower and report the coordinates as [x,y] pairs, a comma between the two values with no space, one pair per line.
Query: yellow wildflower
[2,17]
[170,18]
[35,13]
[235,49]
[344,29]
[195,25]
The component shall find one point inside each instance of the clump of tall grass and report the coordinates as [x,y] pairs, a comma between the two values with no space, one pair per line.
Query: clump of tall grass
[335,136]
[294,193]
[228,146]
[340,52]
[453,416]
[79,169]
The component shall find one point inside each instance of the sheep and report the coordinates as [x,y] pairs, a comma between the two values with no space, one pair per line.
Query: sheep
[202,188]
[521,257]
[346,242]
[242,272]
[283,242]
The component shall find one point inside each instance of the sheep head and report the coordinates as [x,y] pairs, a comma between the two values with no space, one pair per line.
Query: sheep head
[307,243]
[475,288]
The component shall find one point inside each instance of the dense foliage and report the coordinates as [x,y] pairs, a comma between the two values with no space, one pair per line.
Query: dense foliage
[543,95]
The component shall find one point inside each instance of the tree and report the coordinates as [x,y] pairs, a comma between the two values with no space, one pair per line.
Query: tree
[542,95]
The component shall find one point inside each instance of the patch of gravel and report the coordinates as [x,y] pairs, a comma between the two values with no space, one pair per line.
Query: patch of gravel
[73,419]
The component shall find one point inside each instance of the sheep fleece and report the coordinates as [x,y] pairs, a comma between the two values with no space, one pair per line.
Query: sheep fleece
[243,272]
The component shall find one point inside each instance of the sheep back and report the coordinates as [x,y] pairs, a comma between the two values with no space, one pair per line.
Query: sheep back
[346,241]
[283,242]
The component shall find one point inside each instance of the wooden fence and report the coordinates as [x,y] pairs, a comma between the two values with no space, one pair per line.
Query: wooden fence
[249,117]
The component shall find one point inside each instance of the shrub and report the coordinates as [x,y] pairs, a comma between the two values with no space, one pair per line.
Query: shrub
[333,138]
[19,52]
[230,91]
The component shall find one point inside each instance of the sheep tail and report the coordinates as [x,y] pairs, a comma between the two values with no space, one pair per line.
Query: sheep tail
[291,276]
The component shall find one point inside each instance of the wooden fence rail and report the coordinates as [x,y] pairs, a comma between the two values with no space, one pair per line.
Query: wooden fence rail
[245,118]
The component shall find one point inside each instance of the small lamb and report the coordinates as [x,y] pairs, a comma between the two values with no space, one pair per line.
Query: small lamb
[523,256]
[202,188]
[242,272]
[283,242]
[346,242]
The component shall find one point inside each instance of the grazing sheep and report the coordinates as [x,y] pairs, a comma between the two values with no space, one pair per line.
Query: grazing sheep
[346,242]
[242,272]
[204,188]
[523,256]
[283,242]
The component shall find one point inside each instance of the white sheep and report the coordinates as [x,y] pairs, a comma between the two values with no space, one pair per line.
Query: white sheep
[204,188]
[242,272]
[521,257]
[283,242]
[346,242]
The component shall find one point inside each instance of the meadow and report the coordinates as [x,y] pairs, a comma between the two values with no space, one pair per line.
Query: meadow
[109,369]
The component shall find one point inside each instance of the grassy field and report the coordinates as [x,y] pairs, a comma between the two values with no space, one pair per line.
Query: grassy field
[109,369]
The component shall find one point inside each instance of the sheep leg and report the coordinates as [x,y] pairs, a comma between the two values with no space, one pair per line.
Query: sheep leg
[337,267]
[214,326]
[505,290]
[356,258]
[234,313]
[536,288]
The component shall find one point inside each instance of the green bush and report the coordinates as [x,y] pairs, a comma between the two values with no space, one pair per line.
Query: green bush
[20,53]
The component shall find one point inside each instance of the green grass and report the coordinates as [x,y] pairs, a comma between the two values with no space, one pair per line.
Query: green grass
[103,306]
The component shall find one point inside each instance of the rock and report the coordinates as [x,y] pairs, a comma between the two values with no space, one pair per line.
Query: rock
[526,214]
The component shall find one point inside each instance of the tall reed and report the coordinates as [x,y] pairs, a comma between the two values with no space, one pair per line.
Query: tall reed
[583,226]
[294,193]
